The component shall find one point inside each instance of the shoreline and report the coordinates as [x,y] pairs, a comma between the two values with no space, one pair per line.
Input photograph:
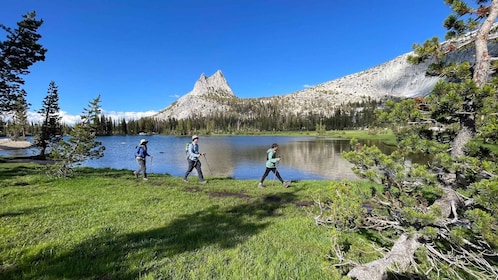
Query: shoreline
[8,144]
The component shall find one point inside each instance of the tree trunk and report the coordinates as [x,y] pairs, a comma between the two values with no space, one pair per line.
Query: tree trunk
[481,75]
[482,69]
[401,255]
[465,134]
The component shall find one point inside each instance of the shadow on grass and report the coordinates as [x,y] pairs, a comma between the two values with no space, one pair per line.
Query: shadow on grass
[101,172]
[110,255]
[27,211]
[17,171]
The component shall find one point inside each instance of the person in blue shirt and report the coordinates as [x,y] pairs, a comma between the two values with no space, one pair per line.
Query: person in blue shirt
[271,165]
[141,156]
[193,160]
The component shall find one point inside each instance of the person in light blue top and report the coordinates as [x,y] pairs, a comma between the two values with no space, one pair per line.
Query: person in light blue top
[271,165]
[193,160]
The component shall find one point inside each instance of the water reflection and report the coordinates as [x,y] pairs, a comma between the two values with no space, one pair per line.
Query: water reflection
[239,157]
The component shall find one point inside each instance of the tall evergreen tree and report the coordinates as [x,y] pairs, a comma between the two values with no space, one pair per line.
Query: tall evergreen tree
[51,128]
[19,116]
[123,129]
[17,54]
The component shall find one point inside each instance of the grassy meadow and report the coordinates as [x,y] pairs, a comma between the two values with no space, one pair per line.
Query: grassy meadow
[104,224]
[386,136]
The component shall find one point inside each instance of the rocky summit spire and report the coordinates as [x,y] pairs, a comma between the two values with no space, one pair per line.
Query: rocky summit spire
[215,84]
[395,78]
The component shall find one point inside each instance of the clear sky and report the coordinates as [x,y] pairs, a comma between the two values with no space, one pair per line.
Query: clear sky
[142,55]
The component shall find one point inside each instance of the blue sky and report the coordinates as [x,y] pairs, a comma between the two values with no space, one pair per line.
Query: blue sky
[141,56]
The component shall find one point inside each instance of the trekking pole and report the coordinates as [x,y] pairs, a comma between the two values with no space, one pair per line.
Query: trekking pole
[273,180]
[150,164]
[276,170]
[207,162]
[274,174]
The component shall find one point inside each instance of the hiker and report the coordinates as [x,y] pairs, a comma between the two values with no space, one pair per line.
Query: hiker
[193,160]
[271,165]
[141,156]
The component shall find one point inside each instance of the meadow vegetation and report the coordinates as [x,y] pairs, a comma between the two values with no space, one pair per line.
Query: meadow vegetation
[104,224]
[386,135]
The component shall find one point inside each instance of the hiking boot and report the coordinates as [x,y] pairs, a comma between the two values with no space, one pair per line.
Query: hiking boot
[261,186]
[286,184]
[203,182]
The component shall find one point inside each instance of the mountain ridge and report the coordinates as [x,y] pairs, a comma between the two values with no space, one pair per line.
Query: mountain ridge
[394,78]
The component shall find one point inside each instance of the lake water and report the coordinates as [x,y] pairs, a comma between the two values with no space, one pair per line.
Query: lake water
[239,157]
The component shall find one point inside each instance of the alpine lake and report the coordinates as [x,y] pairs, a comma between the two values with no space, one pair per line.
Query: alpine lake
[237,157]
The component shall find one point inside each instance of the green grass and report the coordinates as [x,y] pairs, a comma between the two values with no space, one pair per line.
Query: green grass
[103,224]
[385,136]
[376,134]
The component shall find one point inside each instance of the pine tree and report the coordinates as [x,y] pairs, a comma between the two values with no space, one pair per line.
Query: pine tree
[81,145]
[51,129]
[19,123]
[17,54]
[443,214]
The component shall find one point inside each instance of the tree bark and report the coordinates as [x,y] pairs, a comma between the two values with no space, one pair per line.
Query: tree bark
[482,67]
[482,71]
[401,255]
[465,134]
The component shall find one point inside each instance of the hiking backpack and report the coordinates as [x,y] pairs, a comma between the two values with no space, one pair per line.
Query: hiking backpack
[268,153]
[186,148]
[137,151]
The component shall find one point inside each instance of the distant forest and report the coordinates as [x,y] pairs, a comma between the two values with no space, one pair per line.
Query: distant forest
[347,116]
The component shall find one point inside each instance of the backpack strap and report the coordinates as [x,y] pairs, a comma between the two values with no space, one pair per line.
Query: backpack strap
[137,150]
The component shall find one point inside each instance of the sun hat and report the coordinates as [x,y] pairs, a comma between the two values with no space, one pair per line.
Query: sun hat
[143,141]
[195,137]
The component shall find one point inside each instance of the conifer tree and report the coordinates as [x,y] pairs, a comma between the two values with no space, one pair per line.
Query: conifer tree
[19,52]
[51,129]
[442,214]
[81,145]
[19,124]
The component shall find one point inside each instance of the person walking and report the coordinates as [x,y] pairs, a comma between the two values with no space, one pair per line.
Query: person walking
[271,165]
[141,156]
[193,160]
